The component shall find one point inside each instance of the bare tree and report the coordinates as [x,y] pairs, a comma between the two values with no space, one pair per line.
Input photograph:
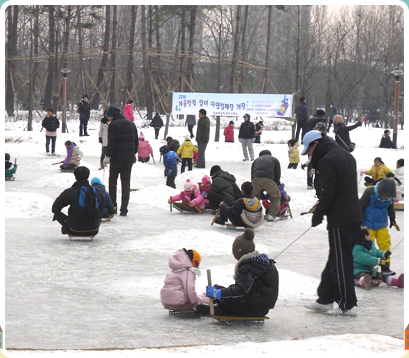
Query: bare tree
[51,60]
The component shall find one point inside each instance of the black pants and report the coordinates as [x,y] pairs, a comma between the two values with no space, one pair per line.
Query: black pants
[330,124]
[103,153]
[170,181]
[188,162]
[157,133]
[68,166]
[49,139]
[257,139]
[62,219]
[214,199]
[124,170]
[83,126]
[143,160]
[190,129]
[292,166]
[300,127]
[337,279]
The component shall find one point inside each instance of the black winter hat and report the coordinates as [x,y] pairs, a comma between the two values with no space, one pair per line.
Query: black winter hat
[214,169]
[264,152]
[112,110]
[7,156]
[387,187]
[243,244]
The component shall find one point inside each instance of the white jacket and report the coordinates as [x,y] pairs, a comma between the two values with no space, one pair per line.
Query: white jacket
[399,173]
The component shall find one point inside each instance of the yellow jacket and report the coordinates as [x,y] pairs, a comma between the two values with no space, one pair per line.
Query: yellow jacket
[187,149]
[378,172]
[294,153]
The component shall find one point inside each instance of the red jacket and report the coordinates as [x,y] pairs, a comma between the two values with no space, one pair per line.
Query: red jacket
[128,112]
[229,134]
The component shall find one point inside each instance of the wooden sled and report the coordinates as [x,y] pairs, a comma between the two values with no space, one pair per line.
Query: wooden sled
[185,313]
[185,208]
[374,282]
[399,206]
[10,178]
[66,170]
[81,238]
[231,226]
[233,320]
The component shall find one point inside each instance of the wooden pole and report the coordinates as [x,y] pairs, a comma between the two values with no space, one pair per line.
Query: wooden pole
[209,282]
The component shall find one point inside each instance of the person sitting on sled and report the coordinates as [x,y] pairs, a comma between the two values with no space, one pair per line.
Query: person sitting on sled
[285,199]
[367,258]
[205,187]
[190,194]
[246,211]
[255,289]
[74,155]
[109,210]
[10,167]
[178,292]
[377,172]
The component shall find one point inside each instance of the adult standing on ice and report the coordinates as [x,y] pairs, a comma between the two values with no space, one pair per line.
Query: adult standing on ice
[121,154]
[247,136]
[336,186]
[84,110]
[202,137]
[51,124]
[301,113]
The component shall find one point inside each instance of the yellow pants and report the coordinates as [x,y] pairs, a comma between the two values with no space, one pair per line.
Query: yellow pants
[383,239]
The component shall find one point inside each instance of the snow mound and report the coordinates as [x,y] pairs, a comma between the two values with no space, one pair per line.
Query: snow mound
[27,205]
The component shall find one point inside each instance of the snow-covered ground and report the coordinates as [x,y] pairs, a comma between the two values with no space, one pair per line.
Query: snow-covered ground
[75,296]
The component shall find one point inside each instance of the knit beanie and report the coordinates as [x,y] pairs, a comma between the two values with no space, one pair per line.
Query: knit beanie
[187,139]
[337,119]
[243,244]
[214,169]
[141,136]
[231,122]
[264,152]
[194,257]
[188,185]
[386,187]
[95,180]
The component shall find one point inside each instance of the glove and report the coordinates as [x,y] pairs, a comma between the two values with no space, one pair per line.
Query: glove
[364,231]
[212,292]
[362,172]
[393,223]
[386,255]
[100,139]
[78,159]
[240,140]
[303,166]
[106,161]
[253,140]
[316,220]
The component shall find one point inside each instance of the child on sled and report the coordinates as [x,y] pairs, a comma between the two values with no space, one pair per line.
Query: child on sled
[179,292]
[205,187]
[246,211]
[285,199]
[10,167]
[367,258]
[190,194]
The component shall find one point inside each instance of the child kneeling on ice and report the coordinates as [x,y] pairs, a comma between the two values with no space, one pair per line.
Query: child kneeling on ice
[366,259]
[285,199]
[179,292]
[190,194]
[246,211]
[255,289]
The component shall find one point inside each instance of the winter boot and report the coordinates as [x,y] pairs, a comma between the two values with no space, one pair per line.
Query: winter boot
[365,281]
[220,221]
[398,282]
[386,271]
[101,165]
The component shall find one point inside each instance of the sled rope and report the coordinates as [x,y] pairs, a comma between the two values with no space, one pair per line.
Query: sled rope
[293,242]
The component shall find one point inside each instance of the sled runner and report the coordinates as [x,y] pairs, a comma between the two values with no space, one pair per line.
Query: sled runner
[231,226]
[233,320]
[374,282]
[185,313]
[81,238]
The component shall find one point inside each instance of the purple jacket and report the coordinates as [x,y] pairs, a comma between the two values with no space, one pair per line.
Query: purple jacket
[179,292]
[283,192]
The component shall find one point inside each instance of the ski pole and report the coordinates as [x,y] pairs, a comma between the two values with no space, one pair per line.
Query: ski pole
[209,282]
[396,245]
[293,242]
[360,178]
[215,217]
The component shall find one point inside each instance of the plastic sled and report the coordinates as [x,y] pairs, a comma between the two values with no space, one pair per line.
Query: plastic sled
[184,208]
[10,178]
[81,238]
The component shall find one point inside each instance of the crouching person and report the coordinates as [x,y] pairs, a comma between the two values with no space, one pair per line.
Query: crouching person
[255,289]
[85,206]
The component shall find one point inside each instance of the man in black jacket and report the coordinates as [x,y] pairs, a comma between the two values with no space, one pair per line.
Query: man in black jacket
[122,146]
[247,136]
[312,122]
[265,175]
[336,186]
[157,124]
[301,113]
[81,220]
[84,110]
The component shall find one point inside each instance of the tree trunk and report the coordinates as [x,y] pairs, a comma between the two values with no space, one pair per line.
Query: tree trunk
[30,83]
[66,37]
[56,82]
[243,50]
[80,52]
[35,52]
[266,64]
[148,93]
[10,64]
[162,104]
[112,92]
[182,50]
[104,62]
[192,29]
[129,67]
[51,63]
[232,88]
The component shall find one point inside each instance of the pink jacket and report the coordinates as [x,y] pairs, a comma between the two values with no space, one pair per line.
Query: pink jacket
[128,112]
[197,197]
[179,292]
[144,149]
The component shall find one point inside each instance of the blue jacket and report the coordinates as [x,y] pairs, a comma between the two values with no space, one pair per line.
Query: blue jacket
[376,212]
[109,207]
[171,167]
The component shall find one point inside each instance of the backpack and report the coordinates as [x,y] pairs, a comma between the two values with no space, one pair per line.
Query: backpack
[88,207]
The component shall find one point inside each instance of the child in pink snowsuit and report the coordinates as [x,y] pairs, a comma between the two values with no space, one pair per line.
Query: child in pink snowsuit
[179,292]
[144,149]
[190,194]
[205,187]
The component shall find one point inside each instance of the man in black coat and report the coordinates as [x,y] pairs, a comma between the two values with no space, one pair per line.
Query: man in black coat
[84,110]
[266,175]
[337,190]
[312,122]
[80,221]
[51,124]
[157,124]
[122,146]
[386,141]
[301,113]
